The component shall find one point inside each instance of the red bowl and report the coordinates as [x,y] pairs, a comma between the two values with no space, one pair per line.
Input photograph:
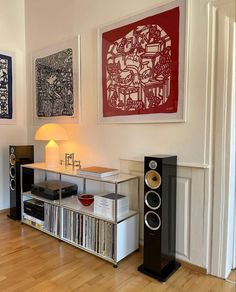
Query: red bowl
[86,199]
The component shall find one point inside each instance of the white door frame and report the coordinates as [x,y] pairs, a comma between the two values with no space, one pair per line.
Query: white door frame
[222,131]
[234,249]
[234,92]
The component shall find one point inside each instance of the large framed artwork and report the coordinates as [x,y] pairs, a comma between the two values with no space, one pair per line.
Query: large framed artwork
[56,78]
[142,67]
[7,110]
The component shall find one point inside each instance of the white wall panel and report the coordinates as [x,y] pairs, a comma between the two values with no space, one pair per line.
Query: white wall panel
[183,218]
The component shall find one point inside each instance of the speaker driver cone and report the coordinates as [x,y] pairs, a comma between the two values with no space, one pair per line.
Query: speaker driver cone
[12,159]
[152,200]
[153,179]
[12,184]
[12,172]
[152,220]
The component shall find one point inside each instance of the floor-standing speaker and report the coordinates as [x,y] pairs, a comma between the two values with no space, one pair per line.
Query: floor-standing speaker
[19,155]
[159,217]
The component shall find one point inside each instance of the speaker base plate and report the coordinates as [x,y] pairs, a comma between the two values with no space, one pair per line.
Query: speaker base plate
[165,273]
[13,217]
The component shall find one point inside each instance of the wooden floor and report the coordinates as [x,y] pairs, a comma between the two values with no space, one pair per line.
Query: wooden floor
[232,276]
[33,261]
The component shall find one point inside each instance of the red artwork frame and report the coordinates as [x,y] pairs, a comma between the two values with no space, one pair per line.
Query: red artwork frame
[142,67]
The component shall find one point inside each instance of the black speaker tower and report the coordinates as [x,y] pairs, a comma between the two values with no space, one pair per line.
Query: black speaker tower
[19,155]
[159,217]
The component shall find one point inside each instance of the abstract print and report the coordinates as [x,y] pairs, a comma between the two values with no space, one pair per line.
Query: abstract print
[54,84]
[5,87]
[140,66]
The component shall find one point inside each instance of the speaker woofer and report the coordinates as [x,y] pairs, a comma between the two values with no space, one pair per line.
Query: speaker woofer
[152,220]
[153,179]
[13,184]
[152,200]
[12,172]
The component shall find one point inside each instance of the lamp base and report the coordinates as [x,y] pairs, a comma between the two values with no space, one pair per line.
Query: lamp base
[52,154]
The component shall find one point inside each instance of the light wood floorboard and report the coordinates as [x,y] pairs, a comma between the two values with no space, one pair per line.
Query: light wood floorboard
[33,261]
[232,276]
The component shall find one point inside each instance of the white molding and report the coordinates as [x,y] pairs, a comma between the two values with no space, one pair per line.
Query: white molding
[194,165]
[211,41]
[181,164]
[234,241]
[229,188]
[209,130]
[219,122]
[207,226]
[234,106]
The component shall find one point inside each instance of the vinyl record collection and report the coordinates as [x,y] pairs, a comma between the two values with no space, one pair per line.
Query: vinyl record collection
[89,232]
[51,214]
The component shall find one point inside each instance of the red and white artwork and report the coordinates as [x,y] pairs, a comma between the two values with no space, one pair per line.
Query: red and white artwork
[140,66]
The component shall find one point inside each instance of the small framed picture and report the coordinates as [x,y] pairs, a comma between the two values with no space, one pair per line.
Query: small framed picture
[142,67]
[56,85]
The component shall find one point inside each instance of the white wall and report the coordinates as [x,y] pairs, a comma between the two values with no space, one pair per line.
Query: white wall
[12,32]
[49,22]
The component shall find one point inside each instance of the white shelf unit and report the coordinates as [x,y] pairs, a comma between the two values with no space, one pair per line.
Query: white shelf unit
[119,237]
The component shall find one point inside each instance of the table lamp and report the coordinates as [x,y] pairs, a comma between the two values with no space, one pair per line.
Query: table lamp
[51,133]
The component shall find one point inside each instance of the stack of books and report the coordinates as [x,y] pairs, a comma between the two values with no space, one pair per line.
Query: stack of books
[97,171]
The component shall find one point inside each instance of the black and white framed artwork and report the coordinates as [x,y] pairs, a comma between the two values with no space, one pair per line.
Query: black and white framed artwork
[7,98]
[56,82]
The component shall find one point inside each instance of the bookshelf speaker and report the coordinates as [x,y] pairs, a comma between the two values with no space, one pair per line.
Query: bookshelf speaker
[19,155]
[159,217]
